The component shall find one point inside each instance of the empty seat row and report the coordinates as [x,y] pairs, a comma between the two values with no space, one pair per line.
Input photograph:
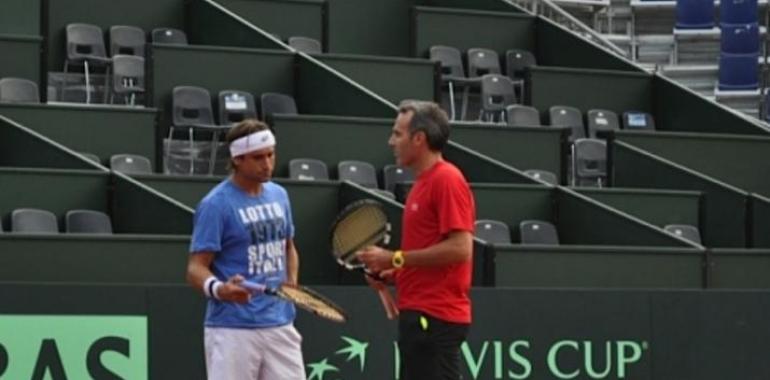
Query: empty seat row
[125,163]
[31,220]
[530,232]
[597,121]
[360,172]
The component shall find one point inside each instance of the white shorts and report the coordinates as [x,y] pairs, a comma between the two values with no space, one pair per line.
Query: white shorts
[254,354]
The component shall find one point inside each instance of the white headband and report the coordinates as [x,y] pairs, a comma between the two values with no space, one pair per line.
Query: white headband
[255,141]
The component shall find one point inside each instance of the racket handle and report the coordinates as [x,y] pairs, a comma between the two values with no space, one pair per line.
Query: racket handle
[254,287]
[391,310]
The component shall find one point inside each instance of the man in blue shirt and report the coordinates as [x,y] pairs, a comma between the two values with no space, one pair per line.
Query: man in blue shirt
[243,230]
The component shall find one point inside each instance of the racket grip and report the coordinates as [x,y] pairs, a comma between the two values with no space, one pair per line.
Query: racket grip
[391,310]
[253,287]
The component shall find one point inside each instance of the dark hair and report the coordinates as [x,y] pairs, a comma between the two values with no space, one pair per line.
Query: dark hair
[429,118]
[243,128]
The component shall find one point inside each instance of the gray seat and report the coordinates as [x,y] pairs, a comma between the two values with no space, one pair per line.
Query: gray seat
[493,231]
[638,121]
[496,94]
[590,162]
[308,169]
[85,46]
[394,174]
[127,40]
[18,90]
[360,172]
[272,103]
[564,116]
[31,220]
[538,232]
[522,116]
[482,62]
[305,44]
[169,36]
[235,106]
[686,231]
[87,221]
[452,75]
[600,122]
[517,61]
[127,78]
[191,111]
[130,164]
[543,175]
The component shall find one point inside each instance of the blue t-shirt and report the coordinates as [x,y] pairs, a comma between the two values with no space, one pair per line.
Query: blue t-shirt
[248,236]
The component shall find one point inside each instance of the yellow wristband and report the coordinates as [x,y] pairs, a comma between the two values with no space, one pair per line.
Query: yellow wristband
[398,259]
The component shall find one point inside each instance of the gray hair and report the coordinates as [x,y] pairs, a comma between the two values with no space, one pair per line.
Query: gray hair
[428,118]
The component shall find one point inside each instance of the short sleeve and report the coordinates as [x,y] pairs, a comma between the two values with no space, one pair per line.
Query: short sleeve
[208,225]
[456,209]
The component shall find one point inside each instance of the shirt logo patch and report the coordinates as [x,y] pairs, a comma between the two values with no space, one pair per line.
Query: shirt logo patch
[415,206]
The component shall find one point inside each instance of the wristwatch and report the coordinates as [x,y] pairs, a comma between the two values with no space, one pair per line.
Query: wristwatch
[398,259]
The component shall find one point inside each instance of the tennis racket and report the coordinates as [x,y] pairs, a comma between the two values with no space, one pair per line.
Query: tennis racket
[361,224]
[303,297]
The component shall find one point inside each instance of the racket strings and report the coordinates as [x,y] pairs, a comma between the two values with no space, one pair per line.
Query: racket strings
[363,227]
[312,303]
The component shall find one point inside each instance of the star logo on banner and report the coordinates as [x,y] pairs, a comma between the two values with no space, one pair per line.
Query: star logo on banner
[319,369]
[354,349]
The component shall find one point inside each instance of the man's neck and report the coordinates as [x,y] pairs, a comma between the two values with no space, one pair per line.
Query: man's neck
[248,186]
[426,162]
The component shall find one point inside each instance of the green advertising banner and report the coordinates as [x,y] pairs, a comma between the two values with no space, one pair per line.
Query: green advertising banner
[73,347]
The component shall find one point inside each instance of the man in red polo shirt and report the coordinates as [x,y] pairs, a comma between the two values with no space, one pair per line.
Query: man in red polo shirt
[432,270]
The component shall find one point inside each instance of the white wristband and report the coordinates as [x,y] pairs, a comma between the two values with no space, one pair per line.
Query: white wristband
[208,286]
[215,289]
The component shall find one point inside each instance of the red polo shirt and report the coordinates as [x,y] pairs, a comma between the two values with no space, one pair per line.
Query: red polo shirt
[440,202]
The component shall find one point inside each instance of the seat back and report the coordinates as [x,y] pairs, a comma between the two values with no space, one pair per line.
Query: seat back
[275,103]
[740,38]
[493,231]
[590,162]
[128,73]
[450,59]
[87,221]
[564,116]
[482,61]
[639,121]
[543,175]
[31,220]
[130,164]
[235,106]
[538,232]
[394,174]
[360,172]
[496,92]
[308,169]
[84,41]
[305,44]
[517,61]
[738,72]
[601,121]
[169,36]
[127,40]
[738,12]
[191,106]
[694,14]
[18,90]
[522,116]
[686,231]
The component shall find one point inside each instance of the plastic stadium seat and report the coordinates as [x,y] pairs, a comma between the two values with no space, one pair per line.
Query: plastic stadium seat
[127,77]
[30,220]
[235,106]
[191,110]
[275,103]
[517,61]
[496,94]
[169,36]
[638,121]
[359,172]
[538,232]
[87,221]
[543,175]
[394,174]
[686,231]
[452,75]
[305,44]
[482,61]
[85,46]
[564,116]
[127,40]
[590,162]
[522,116]
[308,169]
[130,164]
[740,38]
[18,90]
[738,11]
[493,231]
[601,121]
[738,72]
[694,14]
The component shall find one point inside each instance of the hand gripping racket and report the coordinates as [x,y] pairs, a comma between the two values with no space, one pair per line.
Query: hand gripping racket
[361,224]
[303,297]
